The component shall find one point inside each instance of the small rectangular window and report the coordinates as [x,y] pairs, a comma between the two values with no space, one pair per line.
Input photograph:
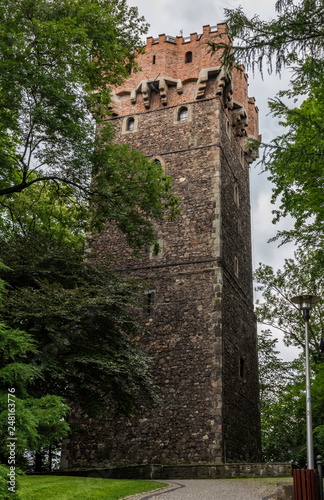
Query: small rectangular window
[242,157]
[242,367]
[149,301]
[236,266]
[236,195]
[156,251]
[228,128]
[154,59]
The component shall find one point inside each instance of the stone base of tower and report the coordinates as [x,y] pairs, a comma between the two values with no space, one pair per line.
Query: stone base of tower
[188,471]
[198,420]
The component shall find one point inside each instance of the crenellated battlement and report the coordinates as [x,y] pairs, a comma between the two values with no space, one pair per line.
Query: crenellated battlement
[219,29]
[177,70]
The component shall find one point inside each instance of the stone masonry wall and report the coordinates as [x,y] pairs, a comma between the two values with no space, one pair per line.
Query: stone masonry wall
[241,414]
[183,340]
[201,334]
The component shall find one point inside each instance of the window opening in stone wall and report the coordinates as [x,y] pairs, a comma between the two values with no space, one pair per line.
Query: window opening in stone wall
[236,195]
[130,124]
[242,367]
[228,129]
[242,157]
[154,59]
[236,267]
[156,250]
[183,114]
[149,300]
[188,57]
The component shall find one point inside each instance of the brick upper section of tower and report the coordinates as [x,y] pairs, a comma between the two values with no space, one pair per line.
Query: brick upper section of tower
[178,70]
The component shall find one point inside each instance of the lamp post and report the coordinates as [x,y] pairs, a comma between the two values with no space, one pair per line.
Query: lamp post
[305,303]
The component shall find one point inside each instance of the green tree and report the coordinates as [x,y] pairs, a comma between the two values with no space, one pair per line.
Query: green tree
[295,163]
[58,61]
[282,384]
[83,317]
[274,373]
[84,320]
[289,39]
[33,421]
[283,424]
[294,160]
[275,308]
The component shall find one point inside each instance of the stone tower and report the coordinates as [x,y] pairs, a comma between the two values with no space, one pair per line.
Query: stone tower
[184,111]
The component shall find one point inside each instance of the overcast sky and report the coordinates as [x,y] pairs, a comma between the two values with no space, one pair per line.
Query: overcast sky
[170,17]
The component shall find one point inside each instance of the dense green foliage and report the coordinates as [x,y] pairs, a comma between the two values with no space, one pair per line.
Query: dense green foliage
[294,160]
[34,421]
[4,493]
[274,374]
[283,406]
[69,326]
[276,310]
[282,384]
[72,321]
[83,319]
[57,62]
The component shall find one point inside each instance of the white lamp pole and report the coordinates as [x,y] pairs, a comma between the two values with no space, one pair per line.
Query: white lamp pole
[305,303]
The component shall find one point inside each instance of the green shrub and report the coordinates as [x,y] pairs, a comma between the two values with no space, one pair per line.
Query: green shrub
[5,494]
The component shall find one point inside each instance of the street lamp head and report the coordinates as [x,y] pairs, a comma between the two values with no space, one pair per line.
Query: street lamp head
[305,303]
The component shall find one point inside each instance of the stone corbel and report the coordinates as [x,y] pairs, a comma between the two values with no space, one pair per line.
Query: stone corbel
[164,91]
[251,154]
[223,84]
[115,104]
[164,83]
[228,95]
[136,90]
[224,87]
[239,118]
[202,83]
[179,87]
[146,93]
[220,82]
[133,96]
[145,88]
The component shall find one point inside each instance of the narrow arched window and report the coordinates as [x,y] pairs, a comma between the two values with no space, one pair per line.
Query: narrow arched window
[236,195]
[188,57]
[183,114]
[130,124]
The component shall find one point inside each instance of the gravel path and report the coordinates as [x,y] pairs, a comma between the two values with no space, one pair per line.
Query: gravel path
[212,489]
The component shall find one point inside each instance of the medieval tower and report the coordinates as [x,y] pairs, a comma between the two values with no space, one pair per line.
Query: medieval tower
[183,110]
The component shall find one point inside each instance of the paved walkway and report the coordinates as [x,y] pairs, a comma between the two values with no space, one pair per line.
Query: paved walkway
[212,489]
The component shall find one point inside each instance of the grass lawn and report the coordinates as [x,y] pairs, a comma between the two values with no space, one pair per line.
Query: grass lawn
[81,488]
